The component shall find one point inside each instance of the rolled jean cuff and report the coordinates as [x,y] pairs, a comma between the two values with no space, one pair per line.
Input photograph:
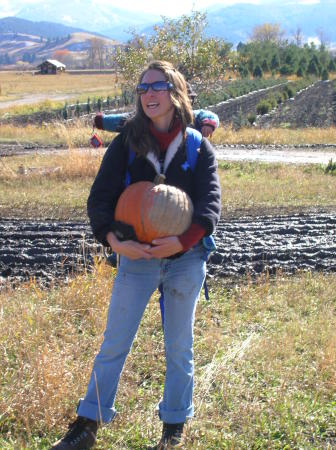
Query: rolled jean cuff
[180,416]
[91,411]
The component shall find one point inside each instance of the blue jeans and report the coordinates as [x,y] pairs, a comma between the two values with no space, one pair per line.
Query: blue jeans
[135,282]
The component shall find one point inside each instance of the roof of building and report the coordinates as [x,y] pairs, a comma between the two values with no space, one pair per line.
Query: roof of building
[54,62]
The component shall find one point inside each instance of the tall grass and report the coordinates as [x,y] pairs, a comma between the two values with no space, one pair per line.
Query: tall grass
[272,136]
[76,134]
[19,84]
[264,353]
[57,184]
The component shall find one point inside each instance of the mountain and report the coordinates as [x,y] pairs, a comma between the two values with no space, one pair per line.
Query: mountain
[48,30]
[234,22]
[89,15]
[31,42]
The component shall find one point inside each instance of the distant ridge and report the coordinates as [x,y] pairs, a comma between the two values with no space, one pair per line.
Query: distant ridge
[47,30]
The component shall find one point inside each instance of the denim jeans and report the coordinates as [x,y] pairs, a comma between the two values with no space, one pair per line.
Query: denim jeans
[135,282]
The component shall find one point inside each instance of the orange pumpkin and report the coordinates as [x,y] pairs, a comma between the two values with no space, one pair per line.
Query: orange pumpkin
[154,210]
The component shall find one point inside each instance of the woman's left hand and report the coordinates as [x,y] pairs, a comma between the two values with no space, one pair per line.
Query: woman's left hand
[165,247]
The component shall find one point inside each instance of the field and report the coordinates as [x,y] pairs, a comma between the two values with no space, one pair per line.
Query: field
[20,85]
[265,348]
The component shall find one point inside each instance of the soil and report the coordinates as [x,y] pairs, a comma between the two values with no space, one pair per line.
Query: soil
[50,250]
[307,154]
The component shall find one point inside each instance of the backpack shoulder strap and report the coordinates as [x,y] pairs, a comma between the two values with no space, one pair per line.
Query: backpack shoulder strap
[131,156]
[193,142]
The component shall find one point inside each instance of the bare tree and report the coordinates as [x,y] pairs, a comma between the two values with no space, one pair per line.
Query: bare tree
[323,37]
[267,32]
[298,36]
[96,52]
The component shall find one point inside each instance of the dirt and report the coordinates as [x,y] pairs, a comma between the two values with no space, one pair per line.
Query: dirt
[34,98]
[50,250]
[308,154]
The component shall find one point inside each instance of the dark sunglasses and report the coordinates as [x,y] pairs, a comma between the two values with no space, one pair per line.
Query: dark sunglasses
[157,86]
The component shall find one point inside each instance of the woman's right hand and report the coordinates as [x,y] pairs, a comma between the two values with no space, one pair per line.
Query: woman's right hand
[130,249]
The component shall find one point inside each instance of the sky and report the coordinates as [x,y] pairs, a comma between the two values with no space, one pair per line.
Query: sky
[170,8]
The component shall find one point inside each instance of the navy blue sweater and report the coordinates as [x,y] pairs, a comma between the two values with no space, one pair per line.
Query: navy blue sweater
[202,185]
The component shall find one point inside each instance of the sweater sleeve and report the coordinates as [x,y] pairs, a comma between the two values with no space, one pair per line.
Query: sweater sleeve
[106,189]
[206,189]
[190,237]
[110,122]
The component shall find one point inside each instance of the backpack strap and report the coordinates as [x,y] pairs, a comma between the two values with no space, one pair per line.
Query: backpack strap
[131,157]
[193,143]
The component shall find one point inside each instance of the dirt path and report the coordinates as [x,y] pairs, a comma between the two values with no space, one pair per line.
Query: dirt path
[317,154]
[34,98]
[51,250]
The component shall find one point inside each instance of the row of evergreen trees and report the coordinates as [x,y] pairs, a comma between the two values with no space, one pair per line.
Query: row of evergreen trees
[257,58]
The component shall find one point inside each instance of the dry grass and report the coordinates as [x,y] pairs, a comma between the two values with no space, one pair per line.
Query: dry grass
[57,184]
[16,85]
[77,133]
[70,135]
[251,135]
[265,365]
[255,185]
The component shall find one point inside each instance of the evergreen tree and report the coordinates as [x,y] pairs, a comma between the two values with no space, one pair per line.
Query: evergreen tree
[257,72]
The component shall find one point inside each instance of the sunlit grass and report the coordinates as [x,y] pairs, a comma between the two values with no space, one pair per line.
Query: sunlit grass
[57,184]
[264,356]
[270,136]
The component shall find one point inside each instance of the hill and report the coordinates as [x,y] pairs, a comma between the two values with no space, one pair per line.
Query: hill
[27,43]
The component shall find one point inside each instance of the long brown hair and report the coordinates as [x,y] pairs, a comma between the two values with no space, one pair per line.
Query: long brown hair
[137,128]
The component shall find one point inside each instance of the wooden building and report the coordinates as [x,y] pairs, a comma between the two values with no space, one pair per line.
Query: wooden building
[51,66]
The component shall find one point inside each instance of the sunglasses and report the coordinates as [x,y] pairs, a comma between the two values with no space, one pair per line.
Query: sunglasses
[157,86]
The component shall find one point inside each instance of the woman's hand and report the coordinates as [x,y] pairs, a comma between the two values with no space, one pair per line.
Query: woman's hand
[164,247]
[131,249]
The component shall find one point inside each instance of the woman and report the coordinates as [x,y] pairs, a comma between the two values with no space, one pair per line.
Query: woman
[176,262]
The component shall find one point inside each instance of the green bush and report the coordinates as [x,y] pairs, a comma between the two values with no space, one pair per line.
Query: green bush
[251,118]
[263,107]
[290,91]
[325,75]
[330,168]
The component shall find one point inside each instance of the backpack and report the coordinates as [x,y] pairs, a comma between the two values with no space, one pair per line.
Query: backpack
[193,142]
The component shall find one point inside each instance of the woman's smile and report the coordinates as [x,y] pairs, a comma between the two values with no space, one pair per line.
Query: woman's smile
[157,105]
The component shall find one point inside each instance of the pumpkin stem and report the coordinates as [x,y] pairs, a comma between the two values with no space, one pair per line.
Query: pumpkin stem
[160,179]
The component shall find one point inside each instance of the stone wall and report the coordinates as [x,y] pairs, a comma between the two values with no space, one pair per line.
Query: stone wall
[245,104]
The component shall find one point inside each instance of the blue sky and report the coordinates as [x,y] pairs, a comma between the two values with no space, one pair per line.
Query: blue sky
[170,8]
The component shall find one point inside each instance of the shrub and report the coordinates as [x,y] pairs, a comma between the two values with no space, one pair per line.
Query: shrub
[263,107]
[300,72]
[290,91]
[251,118]
[257,72]
[330,168]
[325,74]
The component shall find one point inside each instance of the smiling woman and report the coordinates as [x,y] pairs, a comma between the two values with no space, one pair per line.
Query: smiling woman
[157,135]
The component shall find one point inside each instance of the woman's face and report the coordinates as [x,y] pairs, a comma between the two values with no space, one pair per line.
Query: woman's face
[157,105]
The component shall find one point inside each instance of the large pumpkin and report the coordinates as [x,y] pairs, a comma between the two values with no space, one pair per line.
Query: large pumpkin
[154,210]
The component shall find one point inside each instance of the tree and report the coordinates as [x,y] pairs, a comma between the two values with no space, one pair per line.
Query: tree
[257,72]
[298,37]
[96,53]
[64,56]
[267,32]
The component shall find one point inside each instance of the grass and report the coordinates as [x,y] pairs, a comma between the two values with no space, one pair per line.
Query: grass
[264,354]
[272,136]
[15,85]
[57,185]
[77,133]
